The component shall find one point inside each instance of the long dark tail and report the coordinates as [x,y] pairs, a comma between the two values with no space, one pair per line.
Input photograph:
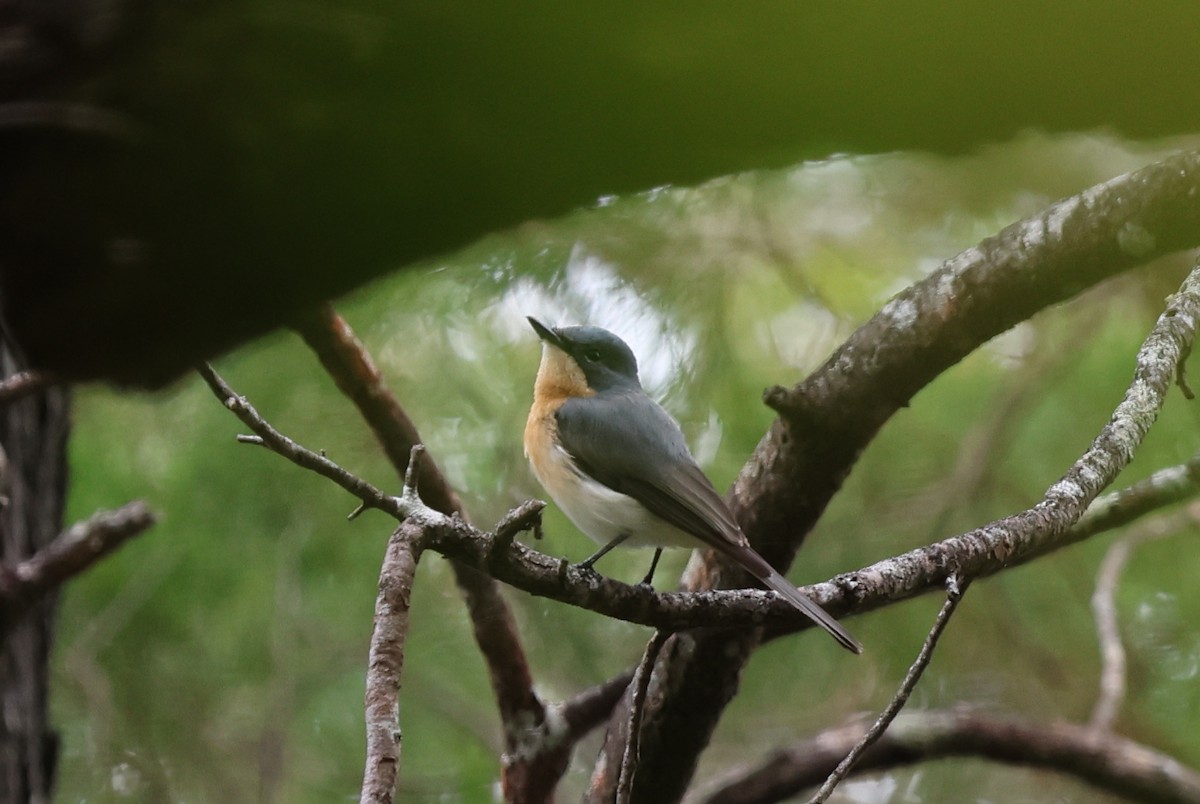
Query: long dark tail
[814,612]
[736,547]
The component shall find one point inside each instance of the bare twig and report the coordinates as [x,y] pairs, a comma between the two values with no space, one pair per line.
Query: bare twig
[277,442]
[70,553]
[641,684]
[386,661]
[522,712]
[1108,762]
[954,593]
[1104,608]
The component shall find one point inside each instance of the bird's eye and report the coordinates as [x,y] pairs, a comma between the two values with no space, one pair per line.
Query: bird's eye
[592,355]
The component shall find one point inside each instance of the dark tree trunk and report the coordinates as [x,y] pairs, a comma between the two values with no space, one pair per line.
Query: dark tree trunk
[33,473]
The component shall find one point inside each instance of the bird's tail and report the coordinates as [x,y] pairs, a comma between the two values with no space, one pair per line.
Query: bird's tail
[814,612]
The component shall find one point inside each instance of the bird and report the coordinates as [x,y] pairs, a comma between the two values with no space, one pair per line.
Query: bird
[618,466]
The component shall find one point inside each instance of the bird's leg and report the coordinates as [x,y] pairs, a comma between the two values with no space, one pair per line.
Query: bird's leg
[587,563]
[653,566]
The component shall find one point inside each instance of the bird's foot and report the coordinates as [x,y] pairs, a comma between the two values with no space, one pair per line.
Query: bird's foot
[586,567]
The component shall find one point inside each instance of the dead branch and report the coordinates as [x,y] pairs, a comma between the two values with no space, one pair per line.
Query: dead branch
[70,553]
[350,365]
[277,442]
[382,699]
[1108,762]
[954,594]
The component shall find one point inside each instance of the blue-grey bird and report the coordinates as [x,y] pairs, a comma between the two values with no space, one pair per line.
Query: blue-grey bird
[618,466]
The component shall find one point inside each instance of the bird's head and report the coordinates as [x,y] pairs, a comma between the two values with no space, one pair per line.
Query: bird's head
[581,361]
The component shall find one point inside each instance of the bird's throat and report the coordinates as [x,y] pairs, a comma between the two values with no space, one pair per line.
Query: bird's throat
[559,377]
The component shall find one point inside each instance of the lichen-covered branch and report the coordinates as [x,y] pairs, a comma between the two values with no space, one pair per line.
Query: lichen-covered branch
[826,421]
[1048,524]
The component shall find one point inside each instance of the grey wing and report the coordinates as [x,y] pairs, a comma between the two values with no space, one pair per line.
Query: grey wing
[630,444]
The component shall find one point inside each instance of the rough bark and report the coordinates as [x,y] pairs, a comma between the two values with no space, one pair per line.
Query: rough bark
[33,435]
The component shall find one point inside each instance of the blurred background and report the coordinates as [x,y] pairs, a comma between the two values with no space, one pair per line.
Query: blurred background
[221,656]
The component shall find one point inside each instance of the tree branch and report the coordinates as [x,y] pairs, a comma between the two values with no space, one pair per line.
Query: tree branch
[70,553]
[637,704]
[277,442]
[827,421]
[382,698]
[1165,487]
[554,578]
[350,365]
[954,594]
[979,552]
[1108,762]
[1048,525]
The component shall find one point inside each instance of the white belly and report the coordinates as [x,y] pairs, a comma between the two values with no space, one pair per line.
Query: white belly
[600,512]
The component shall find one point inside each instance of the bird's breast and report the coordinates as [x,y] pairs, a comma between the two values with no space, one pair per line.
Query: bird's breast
[600,512]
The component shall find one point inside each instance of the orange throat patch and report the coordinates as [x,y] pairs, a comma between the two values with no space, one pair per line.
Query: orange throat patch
[559,378]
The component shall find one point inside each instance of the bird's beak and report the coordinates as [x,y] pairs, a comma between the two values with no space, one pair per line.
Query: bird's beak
[547,334]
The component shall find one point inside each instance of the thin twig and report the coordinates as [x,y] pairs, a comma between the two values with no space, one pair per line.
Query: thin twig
[1104,609]
[277,442]
[1108,634]
[641,684]
[382,699]
[70,553]
[955,589]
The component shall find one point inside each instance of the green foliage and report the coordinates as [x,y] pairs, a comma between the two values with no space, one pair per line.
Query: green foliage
[221,656]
